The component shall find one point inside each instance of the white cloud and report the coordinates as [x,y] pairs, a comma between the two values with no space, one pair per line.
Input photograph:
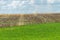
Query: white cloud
[16,3]
[22,3]
[13,4]
[50,1]
[2,2]
[32,1]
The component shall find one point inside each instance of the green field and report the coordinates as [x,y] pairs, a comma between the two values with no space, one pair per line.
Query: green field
[49,31]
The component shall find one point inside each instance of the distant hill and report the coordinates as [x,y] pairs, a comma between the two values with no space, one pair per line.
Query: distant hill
[22,19]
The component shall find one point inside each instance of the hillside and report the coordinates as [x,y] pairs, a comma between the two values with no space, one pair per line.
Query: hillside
[22,19]
[49,31]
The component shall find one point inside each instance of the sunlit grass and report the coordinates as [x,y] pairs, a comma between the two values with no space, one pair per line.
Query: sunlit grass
[49,31]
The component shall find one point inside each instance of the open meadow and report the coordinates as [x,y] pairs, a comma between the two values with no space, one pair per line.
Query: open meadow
[48,31]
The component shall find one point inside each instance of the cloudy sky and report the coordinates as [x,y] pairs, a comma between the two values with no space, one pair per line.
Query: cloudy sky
[29,6]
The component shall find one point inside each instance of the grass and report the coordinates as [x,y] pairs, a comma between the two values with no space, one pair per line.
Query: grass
[49,31]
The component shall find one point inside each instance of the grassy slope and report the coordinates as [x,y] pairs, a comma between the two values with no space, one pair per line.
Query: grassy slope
[50,31]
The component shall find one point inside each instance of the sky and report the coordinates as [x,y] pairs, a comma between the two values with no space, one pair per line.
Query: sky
[29,6]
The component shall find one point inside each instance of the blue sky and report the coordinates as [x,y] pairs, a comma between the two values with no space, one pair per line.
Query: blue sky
[29,6]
